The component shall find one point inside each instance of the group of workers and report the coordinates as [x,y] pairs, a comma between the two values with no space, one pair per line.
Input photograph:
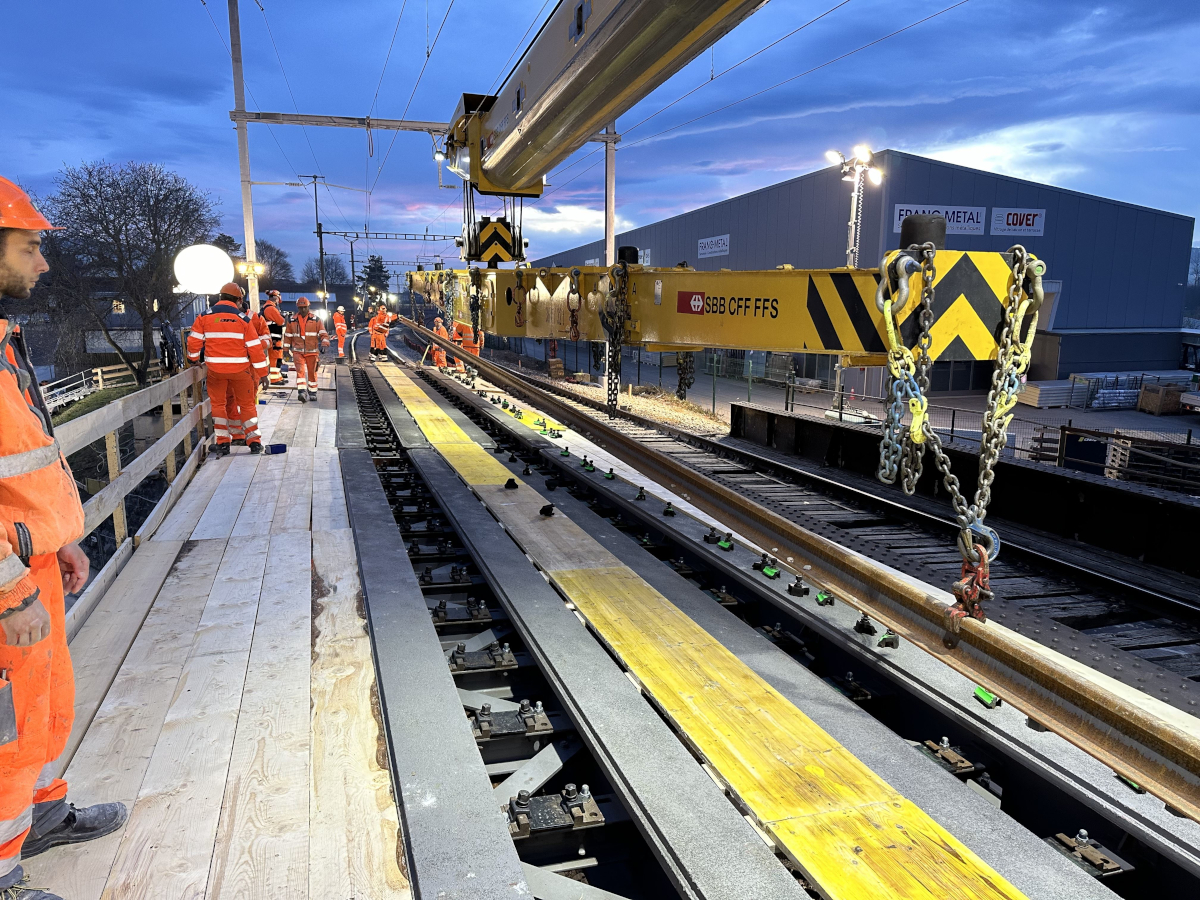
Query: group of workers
[462,335]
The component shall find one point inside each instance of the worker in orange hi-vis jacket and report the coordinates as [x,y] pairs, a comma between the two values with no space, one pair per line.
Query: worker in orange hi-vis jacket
[465,336]
[339,331]
[305,336]
[439,355]
[233,351]
[379,326]
[233,409]
[275,322]
[41,519]
[456,338]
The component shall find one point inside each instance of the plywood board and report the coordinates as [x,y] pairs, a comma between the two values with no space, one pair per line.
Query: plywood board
[306,426]
[327,427]
[293,509]
[258,506]
[354,831]
[111,761]
[222,510]
[328,493]
[98,650]
[178,807]
[181,521]
[262,843]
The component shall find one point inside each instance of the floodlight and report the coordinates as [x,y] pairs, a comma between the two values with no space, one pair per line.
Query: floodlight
[203,269]
[862,153]
[834,156]
[875,175]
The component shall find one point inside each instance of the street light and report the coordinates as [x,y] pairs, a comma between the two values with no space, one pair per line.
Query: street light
[203,269]
[853,169]
[257,268]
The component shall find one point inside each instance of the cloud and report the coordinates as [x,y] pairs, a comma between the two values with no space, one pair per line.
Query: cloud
[569,219]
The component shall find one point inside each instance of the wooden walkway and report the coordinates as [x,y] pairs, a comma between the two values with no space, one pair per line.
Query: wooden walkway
[225,691]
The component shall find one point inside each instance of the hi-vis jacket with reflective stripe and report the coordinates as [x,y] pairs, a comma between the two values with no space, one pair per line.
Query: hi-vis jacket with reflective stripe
[304,334]
[262,329]
[40,510]
[275,322]
[229,342]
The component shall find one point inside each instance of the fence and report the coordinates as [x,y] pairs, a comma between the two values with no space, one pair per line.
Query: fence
[186,388]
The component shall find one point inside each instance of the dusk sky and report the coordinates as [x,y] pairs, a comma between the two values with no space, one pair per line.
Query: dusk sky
[1102,98]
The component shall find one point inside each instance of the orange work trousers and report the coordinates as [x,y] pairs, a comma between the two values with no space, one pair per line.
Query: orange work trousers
[379,341]
[275,356]
[233,414]
[242,387]
[306,370]
[340,330]
[43,693]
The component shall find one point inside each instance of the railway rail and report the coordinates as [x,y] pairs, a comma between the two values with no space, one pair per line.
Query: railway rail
[1097,704]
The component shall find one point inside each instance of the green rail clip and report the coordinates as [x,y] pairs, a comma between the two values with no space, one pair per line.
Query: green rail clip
[824,598]
[986,697]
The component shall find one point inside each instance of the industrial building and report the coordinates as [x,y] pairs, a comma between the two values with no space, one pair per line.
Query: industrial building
[1117,271]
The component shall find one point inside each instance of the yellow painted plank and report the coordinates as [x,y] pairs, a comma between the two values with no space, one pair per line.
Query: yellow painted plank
[844,826]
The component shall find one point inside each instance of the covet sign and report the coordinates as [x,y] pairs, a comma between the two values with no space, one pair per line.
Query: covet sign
[1018,221]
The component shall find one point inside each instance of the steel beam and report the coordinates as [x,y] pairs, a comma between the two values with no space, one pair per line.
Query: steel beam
[552,886]
[456,838]
[242,116]
[545,764]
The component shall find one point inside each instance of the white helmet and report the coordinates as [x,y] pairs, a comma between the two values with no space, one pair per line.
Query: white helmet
[341,309]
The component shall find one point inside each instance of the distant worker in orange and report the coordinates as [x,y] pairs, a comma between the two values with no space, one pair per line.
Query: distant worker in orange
[40,520]
[378,327]
[275,322]
[339,330]
[439,355]
[456,338]
[305,336]
[233,351]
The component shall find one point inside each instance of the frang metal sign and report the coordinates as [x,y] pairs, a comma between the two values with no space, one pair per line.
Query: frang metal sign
[959,219]
[713,246]
[1018,221]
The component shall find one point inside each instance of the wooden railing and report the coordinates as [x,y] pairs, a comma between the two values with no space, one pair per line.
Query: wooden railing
[105,423]
[116,376]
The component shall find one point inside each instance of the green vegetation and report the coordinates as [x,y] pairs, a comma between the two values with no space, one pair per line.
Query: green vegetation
[91,402]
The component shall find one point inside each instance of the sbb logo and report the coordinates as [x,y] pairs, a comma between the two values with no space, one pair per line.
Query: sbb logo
[691,302]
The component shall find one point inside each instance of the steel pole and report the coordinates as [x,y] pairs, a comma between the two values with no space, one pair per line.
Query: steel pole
[243,139]
[610,225]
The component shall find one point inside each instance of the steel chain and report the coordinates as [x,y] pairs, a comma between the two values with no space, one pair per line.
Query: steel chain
[573,291]
[476,284]
[616,313]
[685,368]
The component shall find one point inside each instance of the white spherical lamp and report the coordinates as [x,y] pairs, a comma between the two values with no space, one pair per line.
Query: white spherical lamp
[203,269]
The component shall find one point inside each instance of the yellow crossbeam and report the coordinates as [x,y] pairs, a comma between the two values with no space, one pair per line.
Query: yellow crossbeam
[850,833]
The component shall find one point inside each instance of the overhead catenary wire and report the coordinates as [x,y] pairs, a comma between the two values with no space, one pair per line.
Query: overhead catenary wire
[296,106]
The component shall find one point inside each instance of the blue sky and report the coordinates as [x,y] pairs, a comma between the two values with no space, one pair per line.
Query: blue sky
[1098,98]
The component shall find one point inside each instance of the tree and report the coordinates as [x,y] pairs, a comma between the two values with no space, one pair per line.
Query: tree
[123,227]
[277,267]
[229,245]
[335,271]
[372,275]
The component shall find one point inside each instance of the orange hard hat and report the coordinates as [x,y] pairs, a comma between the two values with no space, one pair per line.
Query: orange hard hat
[301,301]
[18,211]
[233,290]
[272,295]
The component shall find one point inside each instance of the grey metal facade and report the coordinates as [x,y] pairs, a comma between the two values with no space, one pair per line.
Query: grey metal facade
[1122,267]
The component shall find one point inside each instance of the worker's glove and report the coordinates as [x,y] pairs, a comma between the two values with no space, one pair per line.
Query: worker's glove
[264,382]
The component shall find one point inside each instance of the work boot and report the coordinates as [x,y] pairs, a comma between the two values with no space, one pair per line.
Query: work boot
[238,442]
[222,450]
[256,448]
[312,395]
[302,394]
[15,886]
[80,825]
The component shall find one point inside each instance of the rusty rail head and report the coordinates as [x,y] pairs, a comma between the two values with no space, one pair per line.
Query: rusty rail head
[1147,742]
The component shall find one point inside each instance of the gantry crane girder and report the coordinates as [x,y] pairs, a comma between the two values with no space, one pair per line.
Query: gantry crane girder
[830,311]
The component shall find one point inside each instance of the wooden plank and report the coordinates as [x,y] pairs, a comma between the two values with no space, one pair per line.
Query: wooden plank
[306,427]
[326,427]
[99,648]
[169,840]
[226,503]
[262,843]
[329,496]
[293,511]
[848,831]
[78,433]
[94,592]
[284,431]
[354,830]
[168,500]
[181,521]
[258,507]
[111,761]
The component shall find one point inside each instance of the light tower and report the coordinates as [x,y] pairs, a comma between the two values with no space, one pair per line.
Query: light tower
[853,169]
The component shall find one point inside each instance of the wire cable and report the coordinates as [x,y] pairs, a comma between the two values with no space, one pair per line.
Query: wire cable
[387,58]
[413,93]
